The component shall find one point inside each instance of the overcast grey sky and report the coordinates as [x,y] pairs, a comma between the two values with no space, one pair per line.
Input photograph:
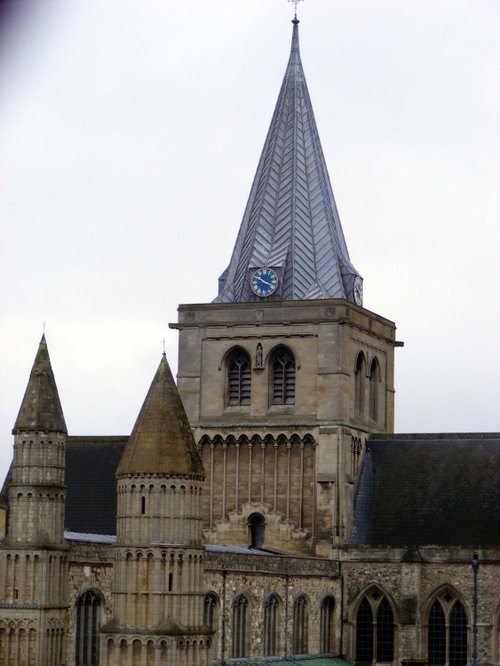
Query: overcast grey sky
[130,133]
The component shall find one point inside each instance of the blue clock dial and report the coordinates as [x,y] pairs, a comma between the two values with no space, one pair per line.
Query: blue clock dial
[264,282]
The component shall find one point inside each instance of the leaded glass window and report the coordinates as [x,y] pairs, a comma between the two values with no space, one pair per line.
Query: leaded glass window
[88,606]
[326,625]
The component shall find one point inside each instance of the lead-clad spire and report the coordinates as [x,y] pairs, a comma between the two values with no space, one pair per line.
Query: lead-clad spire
[291,223]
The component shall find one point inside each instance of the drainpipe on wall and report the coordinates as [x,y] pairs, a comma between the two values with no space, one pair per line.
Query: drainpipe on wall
[223,628]
[341,646]
[475,568]
[337,489]
[286,614]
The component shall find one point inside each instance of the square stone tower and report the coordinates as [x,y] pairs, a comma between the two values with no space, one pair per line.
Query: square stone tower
[285,373]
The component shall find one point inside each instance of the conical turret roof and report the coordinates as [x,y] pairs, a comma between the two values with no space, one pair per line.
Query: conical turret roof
[41,409]
[161,441]
[291,223]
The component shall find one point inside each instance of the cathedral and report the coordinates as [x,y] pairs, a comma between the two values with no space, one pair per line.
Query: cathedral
[262,509]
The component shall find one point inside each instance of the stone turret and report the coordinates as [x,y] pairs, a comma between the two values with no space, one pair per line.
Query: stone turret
[37,493]
[157,595]
[33,562]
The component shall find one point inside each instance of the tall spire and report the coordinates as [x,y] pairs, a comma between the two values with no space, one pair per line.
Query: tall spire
[291,223]
[41,409]
[161,441]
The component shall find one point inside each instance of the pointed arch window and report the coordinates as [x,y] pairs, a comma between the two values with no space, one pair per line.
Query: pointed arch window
[374,629]
[283,377]
[447,632]
[88,609]
[374,389]
[272,612]
[210,610]
[326,625]
[239,378]
[240,624]
[359,384]
[300,625]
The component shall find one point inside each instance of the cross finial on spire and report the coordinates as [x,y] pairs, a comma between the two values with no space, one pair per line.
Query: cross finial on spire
[295,3]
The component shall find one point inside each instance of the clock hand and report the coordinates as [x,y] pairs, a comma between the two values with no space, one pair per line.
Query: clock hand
[270,284]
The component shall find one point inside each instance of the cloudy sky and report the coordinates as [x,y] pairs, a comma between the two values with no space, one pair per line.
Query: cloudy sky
[130,132]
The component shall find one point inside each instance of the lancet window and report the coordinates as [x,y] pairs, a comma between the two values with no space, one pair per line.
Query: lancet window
[88,607]
[447,632]
[300,628]
[210,608]
[282,377]
[326,625]
[374,389]
[239,378]
[272,609]
[359,384]
[240,625]
[374,629]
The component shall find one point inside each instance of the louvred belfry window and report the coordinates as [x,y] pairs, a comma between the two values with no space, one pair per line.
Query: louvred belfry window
[283,377]
[239,378]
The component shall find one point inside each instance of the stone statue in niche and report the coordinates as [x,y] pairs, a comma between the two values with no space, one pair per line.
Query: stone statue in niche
[258,357]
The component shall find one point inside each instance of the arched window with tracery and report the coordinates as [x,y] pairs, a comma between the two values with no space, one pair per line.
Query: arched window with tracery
[326,625]
[282,377]
[210,610]
[272,611]
[239,378]
[240,624]
[447,632]
[88,620]
[300,625]
[374,389]
[359,384]
[374,629]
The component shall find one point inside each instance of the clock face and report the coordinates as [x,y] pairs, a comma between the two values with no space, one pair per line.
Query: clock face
[264,282]
[358,291]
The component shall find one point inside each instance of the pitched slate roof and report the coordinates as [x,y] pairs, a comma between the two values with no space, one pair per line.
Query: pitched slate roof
[291,221]
[41,409]
[161,441]
[429,490]
[91,464]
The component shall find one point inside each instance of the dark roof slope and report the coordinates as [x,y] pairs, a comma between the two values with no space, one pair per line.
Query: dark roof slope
[41,409]
[91,464]
[429,489]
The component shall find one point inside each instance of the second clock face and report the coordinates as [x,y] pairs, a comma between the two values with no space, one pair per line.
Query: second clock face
[264,282]
[358,291]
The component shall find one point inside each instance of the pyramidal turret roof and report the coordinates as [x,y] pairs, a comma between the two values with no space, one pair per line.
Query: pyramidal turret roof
[41,409]
[161,441]
[291,223]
